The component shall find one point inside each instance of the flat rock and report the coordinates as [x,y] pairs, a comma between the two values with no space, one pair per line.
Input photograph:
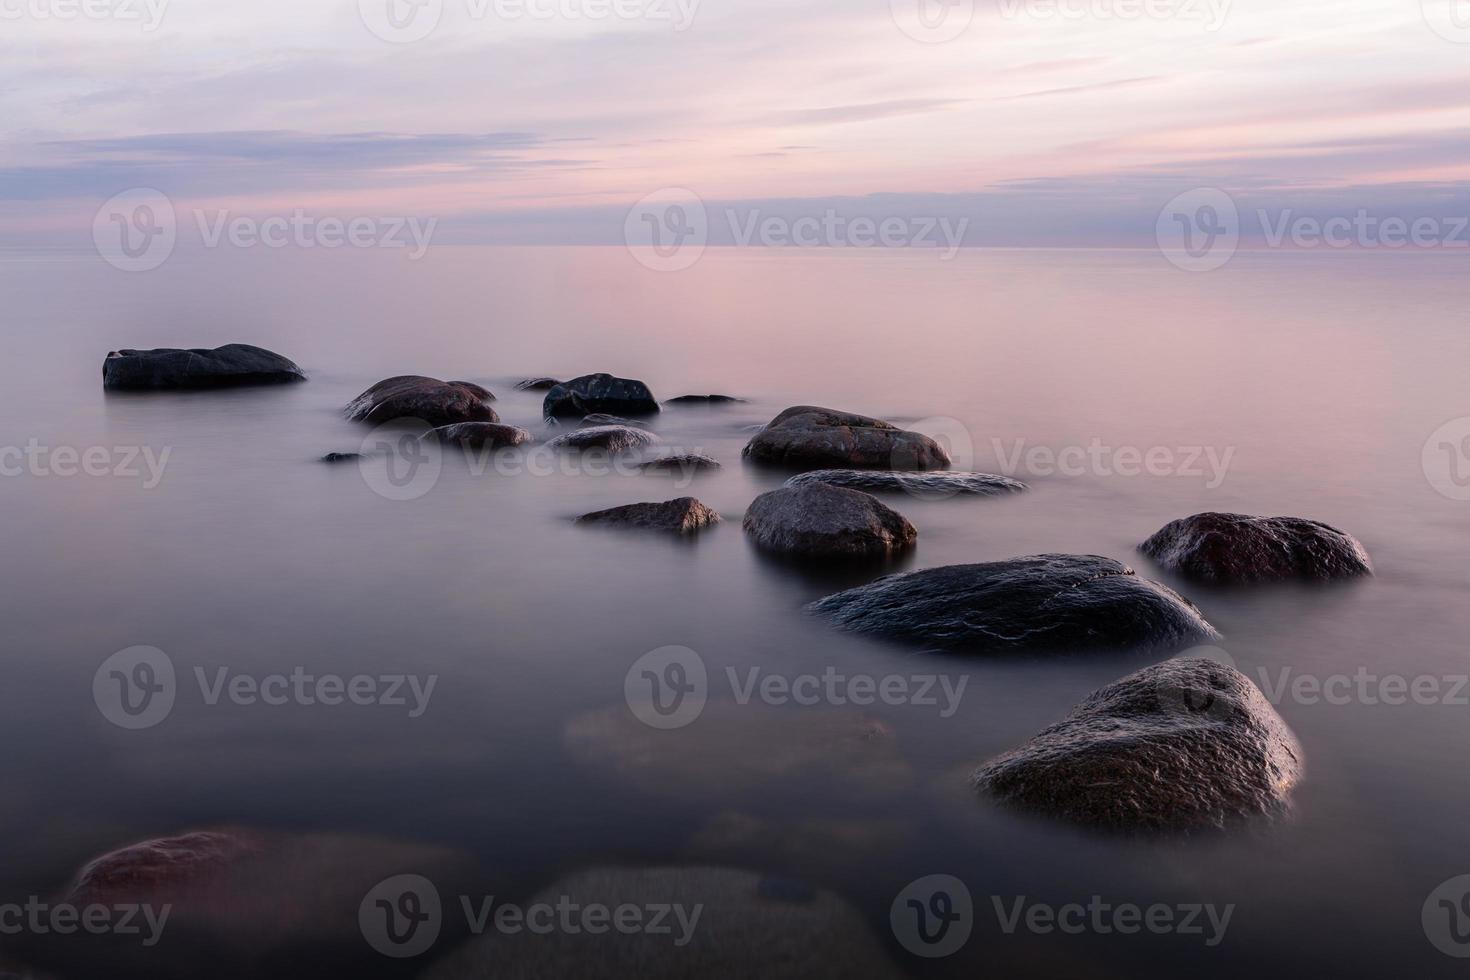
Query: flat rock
[342,457]
[232,365]
[429,400]
[748,926]
[1039,603]
[483,435]
[683,516]
[821,520]
[681,463]
[1240,548]
[705,400]
[811,438]
[1189,744]
[599,393]
[941,483]
[537,384]
[613,438]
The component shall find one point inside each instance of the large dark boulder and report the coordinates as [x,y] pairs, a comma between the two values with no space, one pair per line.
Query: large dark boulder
[935,484]
[1240,548]
[823,521]
[683,516]
[612,438]
[808,437]
[1040,603]
[429,400]
[1189,744]
[229,366]
[599,393]
[482,435]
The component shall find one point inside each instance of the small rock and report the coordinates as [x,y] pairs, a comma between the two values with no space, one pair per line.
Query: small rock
[613,438]
[706,400]
[826,521]
[1040,603]
[681,463]
[810,438]
[917,483]
[1240,548]
[483,435]
[341,457]
[599,393]
[1189,744]
[685,516]
[429,400]
[537,384]
[229,366]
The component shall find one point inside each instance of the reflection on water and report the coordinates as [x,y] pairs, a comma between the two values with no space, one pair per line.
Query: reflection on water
[1324,374]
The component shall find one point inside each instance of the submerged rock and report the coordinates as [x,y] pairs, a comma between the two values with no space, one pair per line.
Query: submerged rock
[599,393]
[821,520]
[1189,744]
[1240,548]
[721,925]
[162,863]
[681,463]
[602,418]
[918,483]
[1050,603]
[705,400]
[537,384]
[613,438]
[232,365]
[482,435]
[810,437]
[684,516]
[434,402]
[342,457]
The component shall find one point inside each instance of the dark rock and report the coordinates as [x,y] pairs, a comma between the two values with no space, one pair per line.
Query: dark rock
[434,402]
[601,418]
[537,384]
[161,864]
[613,438]
[1038,603]
[1241,548]
[482,435]
[599,393]
[706,400]
[935,484]
[681,463]
[685,516]
[224,367]
[1189,744]
[341,457]
[826,521]
[810,437]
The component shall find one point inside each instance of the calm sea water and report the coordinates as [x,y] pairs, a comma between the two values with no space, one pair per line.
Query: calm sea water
[1320,376]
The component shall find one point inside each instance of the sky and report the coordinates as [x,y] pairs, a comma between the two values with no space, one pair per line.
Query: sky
[1040,122]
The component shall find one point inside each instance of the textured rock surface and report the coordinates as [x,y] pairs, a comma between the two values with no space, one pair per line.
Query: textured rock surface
[161,863]
[811,437]
[537,384]
[821,520]
[681,463]
[684,516]
[748,927]
[612,438]
[602,418]
[1240,548]
[229,366]
[1040,603]
[483,435]
[429,400]
[917,483]
[599,393]
[1189,744]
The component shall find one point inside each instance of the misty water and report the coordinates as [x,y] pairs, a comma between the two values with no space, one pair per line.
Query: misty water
[1294,384]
